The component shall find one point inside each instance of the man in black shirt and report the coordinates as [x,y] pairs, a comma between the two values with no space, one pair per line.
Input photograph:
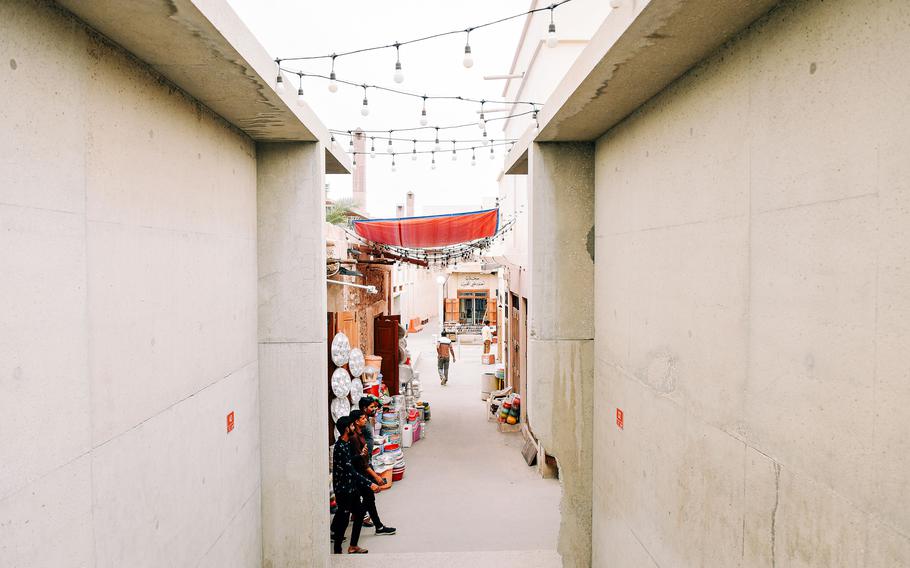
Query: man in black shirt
[348,482]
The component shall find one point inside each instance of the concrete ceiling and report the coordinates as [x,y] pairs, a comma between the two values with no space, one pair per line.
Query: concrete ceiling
[204,48]
[631,58]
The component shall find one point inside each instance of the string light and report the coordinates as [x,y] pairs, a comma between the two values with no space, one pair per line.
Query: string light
[423,112]
[365,109]
[492,153]
[393,163]
[473,158]
[279,80]
[447,127]
[551,7]
[372,147]
[414,152]
[454,154]
[436,146]
[333,84]
[481,123]
[417,140]
[390,150]
[425,97]
[468,60]
[398,77]
[552,40]
[473,145]
[433,162]
[300,100]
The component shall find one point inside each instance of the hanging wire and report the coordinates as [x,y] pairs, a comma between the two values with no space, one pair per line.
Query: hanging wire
[365,86]
[333,56]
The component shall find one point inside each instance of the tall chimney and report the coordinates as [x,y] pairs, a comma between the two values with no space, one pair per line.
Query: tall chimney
[360,172]
[409,204]
[399,211]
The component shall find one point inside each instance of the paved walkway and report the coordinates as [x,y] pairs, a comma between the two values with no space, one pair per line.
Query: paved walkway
[466,487]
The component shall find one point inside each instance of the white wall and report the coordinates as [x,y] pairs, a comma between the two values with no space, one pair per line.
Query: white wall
[128,293]
[752,303]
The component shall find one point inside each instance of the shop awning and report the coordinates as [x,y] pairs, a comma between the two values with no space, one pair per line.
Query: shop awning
[430,232]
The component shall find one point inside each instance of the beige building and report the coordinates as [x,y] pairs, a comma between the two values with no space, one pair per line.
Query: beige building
[719,293]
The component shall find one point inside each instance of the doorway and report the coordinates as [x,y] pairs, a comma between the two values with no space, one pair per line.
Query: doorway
[472,306]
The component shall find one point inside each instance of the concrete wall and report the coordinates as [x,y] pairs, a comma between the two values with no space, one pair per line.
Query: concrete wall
[128,302]
[292,354]
[559,395]
[752,303]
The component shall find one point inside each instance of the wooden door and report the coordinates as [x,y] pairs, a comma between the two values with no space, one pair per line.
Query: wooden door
[385,345]
[515,351]
[491,312]
[347,324]
[451,310]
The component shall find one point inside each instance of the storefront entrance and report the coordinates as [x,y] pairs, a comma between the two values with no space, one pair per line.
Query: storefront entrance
[472,306]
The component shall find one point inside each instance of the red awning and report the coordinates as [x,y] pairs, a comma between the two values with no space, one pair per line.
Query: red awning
[430,232]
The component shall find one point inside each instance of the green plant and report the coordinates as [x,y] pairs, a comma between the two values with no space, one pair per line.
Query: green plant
[339,212]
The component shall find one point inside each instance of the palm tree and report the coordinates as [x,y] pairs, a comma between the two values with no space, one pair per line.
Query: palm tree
[339,212]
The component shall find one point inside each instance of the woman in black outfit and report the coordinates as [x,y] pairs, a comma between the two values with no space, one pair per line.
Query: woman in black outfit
[348,483]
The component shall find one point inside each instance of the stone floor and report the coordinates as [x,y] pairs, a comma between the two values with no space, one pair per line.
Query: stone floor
[466,489]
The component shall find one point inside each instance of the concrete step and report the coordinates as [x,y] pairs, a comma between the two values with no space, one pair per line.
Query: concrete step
[476,559]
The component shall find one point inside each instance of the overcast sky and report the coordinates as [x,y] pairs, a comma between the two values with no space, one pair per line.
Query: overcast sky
[304,27]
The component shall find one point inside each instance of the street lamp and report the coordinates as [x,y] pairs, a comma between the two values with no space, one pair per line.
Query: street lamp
[441,280]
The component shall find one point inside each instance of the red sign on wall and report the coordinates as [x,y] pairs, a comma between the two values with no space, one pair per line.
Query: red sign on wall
[619,420]
[230,421]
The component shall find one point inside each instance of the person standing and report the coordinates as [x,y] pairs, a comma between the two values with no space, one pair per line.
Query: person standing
[444,353]
[364,465]
[348,484]
[487,335]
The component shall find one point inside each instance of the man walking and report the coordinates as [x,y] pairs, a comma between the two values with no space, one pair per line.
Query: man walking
[487,335]
[444,352]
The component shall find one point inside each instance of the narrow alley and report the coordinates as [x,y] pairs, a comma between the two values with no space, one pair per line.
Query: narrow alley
[467,489]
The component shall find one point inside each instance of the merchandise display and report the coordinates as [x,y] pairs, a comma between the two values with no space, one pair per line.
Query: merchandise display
[356,362]
[341,349]
[341,382]
[399,423]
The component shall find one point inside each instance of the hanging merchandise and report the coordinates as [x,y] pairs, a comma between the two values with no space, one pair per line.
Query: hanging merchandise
[340,407]
[356,391]
[341,382]
[341,349]
[356,362]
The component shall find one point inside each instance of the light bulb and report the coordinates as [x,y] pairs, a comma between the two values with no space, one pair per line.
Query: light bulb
[481,123]
[454,156]
[389,149]
[399,75]
[423,117]
[552,40]
[473,161]
[414,156]
[437,145]
[468,60]
[279,83]
[433,164]
[300,100]
[492,154]
[365,109]
[333,86]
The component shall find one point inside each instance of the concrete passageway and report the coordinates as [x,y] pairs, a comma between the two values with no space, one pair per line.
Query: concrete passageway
[466,489]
